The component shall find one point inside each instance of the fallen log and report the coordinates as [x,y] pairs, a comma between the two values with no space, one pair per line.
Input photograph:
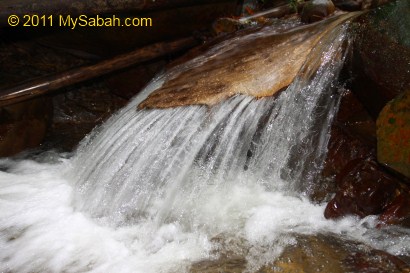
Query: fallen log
[50,83]
[90,7]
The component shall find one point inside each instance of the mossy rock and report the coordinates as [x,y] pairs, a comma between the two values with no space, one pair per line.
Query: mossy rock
[393,134]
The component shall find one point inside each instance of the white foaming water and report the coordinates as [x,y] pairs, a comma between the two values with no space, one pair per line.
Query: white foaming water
[156,190]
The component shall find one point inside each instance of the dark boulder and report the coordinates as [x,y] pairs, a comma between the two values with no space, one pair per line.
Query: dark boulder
[380,61]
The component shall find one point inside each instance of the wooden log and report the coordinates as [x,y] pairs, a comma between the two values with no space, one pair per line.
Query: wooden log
[50,83]
[90,7]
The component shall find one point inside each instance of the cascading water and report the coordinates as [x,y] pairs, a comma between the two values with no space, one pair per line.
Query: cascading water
[146,161]
[151,190]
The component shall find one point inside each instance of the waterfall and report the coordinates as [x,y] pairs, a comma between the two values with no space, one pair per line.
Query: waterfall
[147,163]
[156,190]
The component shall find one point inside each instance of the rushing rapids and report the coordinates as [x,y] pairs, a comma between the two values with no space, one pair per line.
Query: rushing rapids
[157,190]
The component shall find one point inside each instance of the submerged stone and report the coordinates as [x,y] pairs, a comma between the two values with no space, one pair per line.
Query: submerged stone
[259,64]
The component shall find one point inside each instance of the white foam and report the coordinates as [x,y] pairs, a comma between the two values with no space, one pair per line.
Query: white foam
[41,231]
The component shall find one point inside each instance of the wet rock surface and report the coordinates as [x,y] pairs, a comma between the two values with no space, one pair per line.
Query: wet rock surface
[363,186]
[352,136]
[363,189]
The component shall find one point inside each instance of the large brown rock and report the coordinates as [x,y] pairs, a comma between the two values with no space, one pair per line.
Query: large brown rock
[259,64]
[393,134]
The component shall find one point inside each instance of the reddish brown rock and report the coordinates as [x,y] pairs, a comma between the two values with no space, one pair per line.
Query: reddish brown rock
[352,136]
[363,189]
[361,183]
